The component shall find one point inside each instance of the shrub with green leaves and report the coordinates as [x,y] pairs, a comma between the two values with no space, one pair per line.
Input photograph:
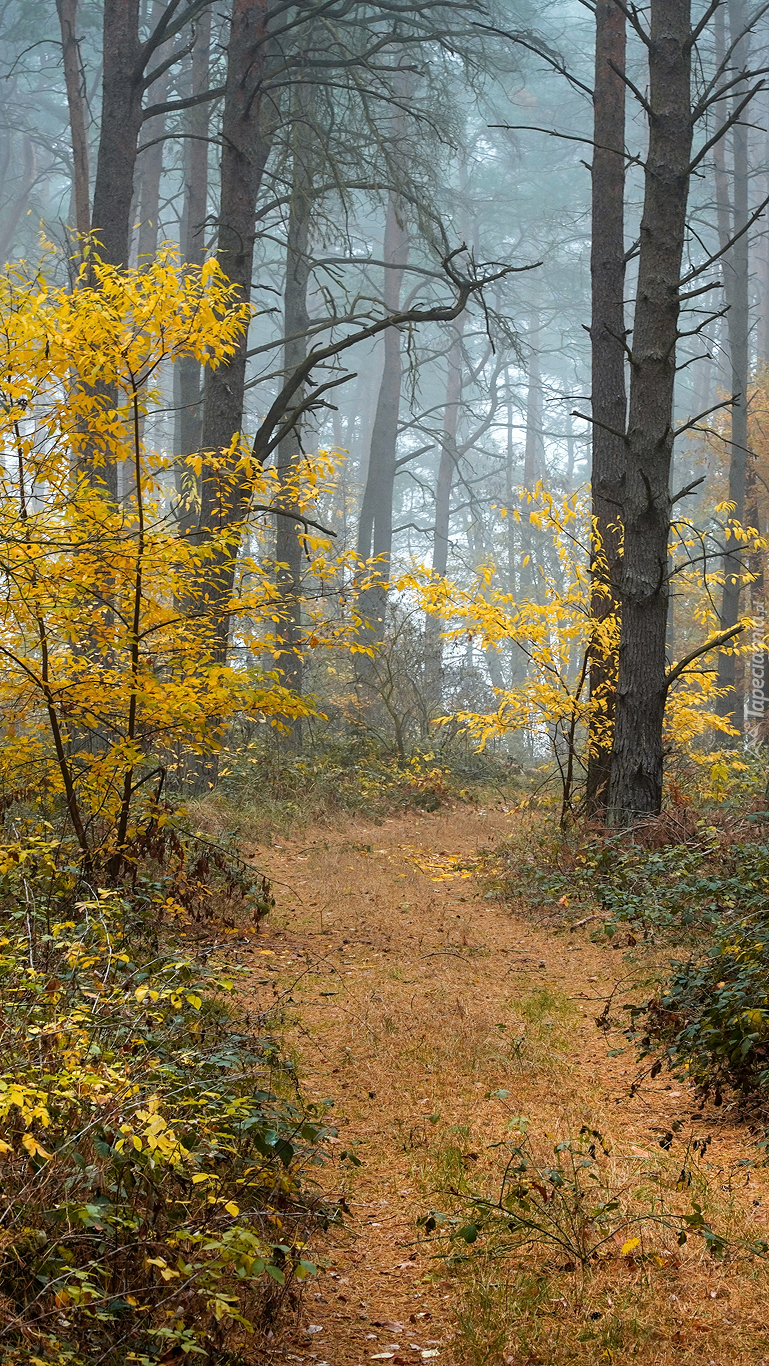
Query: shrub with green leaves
[154,1152]
[691,886]
[570,1200]
[713,1018]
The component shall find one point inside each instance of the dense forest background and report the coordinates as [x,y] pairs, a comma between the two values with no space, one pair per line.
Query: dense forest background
[404,194]
[383,441]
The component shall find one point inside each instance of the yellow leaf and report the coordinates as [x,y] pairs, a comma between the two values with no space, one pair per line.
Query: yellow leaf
[33,1147]
[629,1246]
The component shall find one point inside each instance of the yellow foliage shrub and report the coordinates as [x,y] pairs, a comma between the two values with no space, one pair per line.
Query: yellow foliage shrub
[153,1188]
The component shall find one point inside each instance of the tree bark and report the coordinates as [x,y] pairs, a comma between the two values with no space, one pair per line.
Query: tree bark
[375,529]
[151,160]
[246,138]
[533,458]
[20,199]
[637,760]
[67,11]
[534,449]
[288,540]
[123,64]
[763,264]
[609,398]
[121,120]
[193,250]
[736,270]
[443,485]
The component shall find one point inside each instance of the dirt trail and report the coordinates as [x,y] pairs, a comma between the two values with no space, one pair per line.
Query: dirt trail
[396,973]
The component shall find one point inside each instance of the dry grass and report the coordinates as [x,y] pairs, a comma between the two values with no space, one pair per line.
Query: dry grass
[411,998]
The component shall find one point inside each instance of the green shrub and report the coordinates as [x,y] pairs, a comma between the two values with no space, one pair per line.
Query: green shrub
[713,1018]
[153,1150]
[691,886]
[568,1200]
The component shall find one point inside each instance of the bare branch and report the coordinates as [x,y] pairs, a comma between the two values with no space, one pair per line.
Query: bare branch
[692,424]
[173,106]
[718,254]
[684,493]
[273,424]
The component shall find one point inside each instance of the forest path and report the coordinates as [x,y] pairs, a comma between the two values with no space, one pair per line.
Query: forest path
[394,971]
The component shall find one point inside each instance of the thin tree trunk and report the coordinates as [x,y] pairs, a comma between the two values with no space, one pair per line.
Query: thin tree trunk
[448,461]
[609,399]
[246,138]
[571,452]
[376,519]
[443,484]
[637,761]
[763,273]
[288,541]
[20,199]
[193,249]
[510,493]
[67,11]
[533,457]
[534,450]
[736,267]
[756,689]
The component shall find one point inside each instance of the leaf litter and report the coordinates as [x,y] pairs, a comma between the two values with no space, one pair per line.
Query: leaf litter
[424,1063]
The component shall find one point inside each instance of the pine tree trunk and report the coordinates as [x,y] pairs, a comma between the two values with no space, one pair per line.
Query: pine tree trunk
[443,484]
[736,269]
[609,399]
[288,541]
[20,200]
[637,760]
[534,449]
[375,529]
[121,120]
[193,249]
[246,138]
[763,260]
[150,163]
[67,11]
[533,459]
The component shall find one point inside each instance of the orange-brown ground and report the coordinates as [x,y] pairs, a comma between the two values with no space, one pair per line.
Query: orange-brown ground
[393,970]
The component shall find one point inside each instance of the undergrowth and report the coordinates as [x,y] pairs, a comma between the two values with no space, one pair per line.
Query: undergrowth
[156,1156]
[263,786]
[681,887]
[711,1022]
[562,1250]
[694,878]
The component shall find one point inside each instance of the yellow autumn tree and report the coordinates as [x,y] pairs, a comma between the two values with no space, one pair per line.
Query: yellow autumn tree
[555,632]
[110,673]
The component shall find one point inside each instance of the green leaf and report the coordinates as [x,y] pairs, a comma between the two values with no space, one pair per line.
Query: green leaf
[469,1233]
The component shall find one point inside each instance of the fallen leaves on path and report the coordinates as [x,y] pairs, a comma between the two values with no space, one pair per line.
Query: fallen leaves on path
[400,988]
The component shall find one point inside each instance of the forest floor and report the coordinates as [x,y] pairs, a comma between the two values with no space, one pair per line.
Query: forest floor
[412,996]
